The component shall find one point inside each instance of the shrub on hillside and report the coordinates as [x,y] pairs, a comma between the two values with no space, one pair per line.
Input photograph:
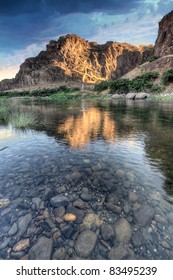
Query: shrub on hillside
[119,86]
[152,58]
[101,86]
[167,77]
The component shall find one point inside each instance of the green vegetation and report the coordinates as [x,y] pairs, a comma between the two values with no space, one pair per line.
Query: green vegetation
[13,112]
[39,92]
[3,111]
[152,58]
[22,119]
[167,77]
[119,86]
[61,95]
[140,83]
[101,86]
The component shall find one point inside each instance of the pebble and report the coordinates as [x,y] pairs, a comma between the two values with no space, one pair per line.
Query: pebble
[21,245]
[170,218]
[23,224]
[79,204]
[123,230]
[107,232]
[85,243]
[91,220]
[13,230]
[42,250]
[59,200]
[59,212]
[118,253]
[132,196]
[120,173]
[114,208]
[86,196]
[144,215]
[4,202]
[60,254]
[68,217]
[36,201]
[77,212]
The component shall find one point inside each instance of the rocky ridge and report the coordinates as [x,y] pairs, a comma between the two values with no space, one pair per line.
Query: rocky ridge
[163,45]
[72,58]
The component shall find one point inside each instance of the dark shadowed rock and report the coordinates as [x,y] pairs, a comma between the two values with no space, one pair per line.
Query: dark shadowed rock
[77,212]
[59,200]
[107,232]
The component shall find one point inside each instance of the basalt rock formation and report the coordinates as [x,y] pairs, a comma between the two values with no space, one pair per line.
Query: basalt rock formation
[72,58]
[164,42]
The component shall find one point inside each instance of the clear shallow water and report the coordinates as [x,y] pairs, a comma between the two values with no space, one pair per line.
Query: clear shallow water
[111,160]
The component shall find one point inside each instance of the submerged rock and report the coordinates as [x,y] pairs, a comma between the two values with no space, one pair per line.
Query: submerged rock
[59,200]
[107,232]
[23,224]
[85,243]
[68,217]
[144,215]
[21,245]
[42,250]
[91,220]
[4,202]
[123,230]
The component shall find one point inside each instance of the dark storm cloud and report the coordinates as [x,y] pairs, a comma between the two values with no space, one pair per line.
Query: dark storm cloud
[11,7]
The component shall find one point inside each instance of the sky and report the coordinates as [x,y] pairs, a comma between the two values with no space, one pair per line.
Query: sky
[26,26]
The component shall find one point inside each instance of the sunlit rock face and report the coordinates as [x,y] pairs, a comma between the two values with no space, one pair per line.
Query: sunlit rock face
[72,58]
[164,42]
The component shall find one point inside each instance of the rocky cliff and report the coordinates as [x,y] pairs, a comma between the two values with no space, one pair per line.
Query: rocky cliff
[164,42]
[72,58]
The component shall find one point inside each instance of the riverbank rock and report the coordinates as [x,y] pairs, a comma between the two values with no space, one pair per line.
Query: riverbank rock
[123,230]
[42,249]
[137,95]
[85,243]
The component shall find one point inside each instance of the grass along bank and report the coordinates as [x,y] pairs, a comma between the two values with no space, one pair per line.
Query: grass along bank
[13,112]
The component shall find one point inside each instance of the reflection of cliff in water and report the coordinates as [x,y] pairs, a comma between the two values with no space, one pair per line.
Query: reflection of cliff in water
[88,126]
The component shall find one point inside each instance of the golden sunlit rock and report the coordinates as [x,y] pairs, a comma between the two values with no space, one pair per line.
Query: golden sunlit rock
[21,245]
[4,202]
[72,58]
[69,217]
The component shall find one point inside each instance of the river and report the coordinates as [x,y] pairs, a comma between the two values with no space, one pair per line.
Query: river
[93,181]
